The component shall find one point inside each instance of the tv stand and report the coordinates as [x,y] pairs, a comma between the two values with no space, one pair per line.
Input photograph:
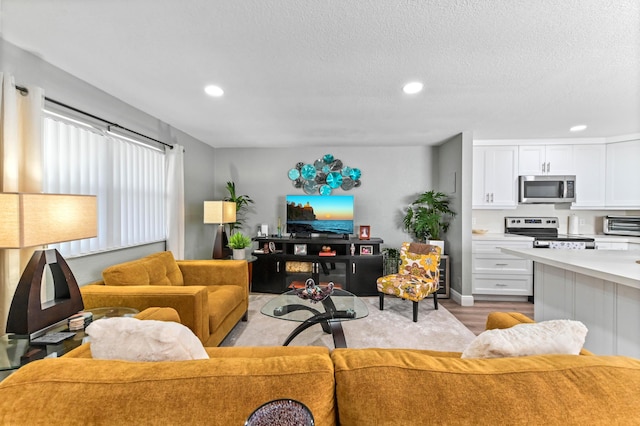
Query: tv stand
[297,259]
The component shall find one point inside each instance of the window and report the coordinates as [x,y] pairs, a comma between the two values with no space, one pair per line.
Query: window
[127,177]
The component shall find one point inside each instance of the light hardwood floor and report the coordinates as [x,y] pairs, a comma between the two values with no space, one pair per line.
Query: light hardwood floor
[475,317]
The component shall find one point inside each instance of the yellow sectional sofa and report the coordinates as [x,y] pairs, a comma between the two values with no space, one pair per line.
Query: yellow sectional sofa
[345,386]
[211,296]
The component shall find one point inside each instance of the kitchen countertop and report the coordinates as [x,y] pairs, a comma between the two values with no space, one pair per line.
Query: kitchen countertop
[618,266]
[603,238]
[500,236]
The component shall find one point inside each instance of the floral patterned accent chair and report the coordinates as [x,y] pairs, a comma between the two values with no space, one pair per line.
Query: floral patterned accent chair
[418,276]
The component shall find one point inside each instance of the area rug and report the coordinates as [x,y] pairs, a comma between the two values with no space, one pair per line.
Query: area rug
[392,328]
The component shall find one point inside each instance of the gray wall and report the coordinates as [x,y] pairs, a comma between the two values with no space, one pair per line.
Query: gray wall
[455,178]
[392,177]
[199,157]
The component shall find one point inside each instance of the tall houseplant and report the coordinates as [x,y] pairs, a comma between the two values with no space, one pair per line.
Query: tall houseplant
[242,204]
[428,216]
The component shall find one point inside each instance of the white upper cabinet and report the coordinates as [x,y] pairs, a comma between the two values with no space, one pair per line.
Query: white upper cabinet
[536,160]
[589,165]
[495,177]
[623,175]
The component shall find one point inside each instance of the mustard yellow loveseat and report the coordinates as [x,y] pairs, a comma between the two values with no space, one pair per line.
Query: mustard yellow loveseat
[210,296]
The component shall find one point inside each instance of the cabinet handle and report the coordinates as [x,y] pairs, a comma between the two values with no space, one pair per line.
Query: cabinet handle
[278,266]
[487,197]
[492,197]
[353,268]
[548,167]
[543,168]
[502,285]
[501,264]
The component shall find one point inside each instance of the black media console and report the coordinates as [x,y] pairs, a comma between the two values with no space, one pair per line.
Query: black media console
[297,259]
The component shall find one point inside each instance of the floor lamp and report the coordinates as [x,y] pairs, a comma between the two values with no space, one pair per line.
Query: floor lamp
[29,220]
[220,212]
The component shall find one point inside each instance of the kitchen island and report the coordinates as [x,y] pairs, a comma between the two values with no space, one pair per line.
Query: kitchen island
[601,288]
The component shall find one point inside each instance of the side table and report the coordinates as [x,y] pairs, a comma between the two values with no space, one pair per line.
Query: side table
[13,348]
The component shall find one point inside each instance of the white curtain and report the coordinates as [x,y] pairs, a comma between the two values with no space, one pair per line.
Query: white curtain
[175,200]
[128,178]
[21,170]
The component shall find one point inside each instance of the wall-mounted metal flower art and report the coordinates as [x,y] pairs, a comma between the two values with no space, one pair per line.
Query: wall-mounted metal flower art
[324,175]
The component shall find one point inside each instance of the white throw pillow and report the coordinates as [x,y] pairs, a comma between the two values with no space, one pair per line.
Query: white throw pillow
[546,337]
[131,339]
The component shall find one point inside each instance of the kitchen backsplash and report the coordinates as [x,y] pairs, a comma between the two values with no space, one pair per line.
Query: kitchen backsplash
[590,220]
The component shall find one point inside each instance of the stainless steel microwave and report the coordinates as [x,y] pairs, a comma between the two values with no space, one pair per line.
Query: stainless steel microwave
[547,189]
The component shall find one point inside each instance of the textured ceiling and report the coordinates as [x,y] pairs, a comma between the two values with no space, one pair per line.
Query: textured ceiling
[309,72]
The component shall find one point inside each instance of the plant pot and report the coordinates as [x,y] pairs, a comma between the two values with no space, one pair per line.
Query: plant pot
[239,254]
[439,243]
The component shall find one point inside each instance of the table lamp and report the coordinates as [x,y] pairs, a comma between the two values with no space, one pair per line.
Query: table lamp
[28,220]
[220,212]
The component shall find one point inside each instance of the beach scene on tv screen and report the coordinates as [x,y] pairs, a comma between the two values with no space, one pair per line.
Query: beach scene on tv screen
[320,214]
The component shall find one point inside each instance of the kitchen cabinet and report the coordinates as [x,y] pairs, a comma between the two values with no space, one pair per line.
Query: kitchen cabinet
[590,166]
[495,177]
[498,274]
[536,160]
[623,175]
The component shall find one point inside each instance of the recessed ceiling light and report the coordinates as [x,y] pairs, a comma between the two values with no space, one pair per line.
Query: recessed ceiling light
[412,88]
[578,128]
[214,91]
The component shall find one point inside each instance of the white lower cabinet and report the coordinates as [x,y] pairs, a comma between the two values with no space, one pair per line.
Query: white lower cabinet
[512,285]
[499,274]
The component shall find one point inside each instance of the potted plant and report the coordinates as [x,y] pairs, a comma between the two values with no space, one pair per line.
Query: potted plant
[239,242]
[428,216]
[391,259]
[242,204]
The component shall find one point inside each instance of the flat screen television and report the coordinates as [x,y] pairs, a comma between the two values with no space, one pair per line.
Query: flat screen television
[320,214]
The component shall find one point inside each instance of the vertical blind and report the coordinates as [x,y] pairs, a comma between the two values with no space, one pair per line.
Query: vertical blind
[128,179]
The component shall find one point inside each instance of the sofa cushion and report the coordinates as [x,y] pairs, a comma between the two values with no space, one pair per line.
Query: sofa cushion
[400,387]
[219,391]
[156,269]
[546,337]
[131,339]
[222,301]
[506,320]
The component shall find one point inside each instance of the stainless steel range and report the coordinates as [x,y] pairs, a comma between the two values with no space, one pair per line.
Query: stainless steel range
[544,230]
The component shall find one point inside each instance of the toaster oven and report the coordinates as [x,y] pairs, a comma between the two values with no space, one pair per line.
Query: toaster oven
[621,225]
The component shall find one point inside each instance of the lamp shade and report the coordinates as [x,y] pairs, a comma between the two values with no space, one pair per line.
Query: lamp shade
[219,212]
[28,220]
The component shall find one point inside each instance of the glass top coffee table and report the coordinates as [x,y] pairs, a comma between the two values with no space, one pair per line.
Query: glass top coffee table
[329,313]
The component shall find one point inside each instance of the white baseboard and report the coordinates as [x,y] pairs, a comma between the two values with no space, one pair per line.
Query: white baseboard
[461,299]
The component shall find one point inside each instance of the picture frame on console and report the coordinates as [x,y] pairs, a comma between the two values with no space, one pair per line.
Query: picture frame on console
[365,232]
[300,249]
[366,250]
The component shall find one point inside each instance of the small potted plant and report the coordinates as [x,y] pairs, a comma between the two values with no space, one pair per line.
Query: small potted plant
[428,216]
[239,242]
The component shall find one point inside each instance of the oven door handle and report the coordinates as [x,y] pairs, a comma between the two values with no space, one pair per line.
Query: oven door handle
[541,244]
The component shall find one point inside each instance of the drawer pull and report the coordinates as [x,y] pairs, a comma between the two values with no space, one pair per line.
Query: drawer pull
[501,264]
[502,285]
